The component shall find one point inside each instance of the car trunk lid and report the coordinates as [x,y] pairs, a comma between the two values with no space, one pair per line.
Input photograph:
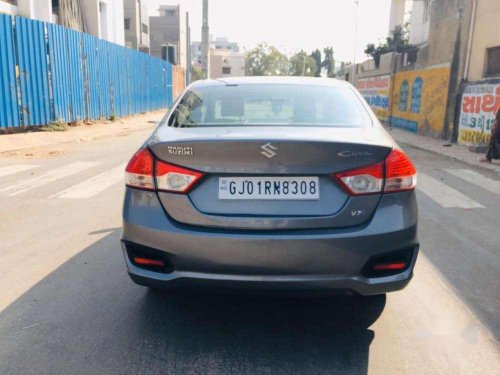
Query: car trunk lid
[270,152]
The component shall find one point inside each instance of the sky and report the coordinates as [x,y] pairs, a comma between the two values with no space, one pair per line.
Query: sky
[292,25]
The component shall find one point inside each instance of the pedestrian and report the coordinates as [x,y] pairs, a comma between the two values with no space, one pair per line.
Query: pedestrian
[494,145]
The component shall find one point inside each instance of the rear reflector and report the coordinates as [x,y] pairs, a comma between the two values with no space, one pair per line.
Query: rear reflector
[139,170]
[173,178]
[395,173]
[389,266]
[389,263]
[148,258]
[149,262]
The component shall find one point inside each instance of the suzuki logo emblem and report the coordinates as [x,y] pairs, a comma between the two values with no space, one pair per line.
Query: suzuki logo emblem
[268,150]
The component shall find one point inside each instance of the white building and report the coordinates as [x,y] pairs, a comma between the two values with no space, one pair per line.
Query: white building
[40,10]
[218,43]
[224,43]
[104,19]
[225,63]
[101,18]
[420,22]
[196,52]
[169,31]
[136,24]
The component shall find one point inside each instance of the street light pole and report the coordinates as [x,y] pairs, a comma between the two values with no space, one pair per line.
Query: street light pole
[355,42]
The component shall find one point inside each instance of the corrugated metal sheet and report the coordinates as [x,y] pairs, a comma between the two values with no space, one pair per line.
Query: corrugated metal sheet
[59,68]
[9,107]
[92,107]
[103,78]
[67,75]
[75,74]
[33,70]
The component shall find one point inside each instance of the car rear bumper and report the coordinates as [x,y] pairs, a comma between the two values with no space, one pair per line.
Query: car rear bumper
[294,260]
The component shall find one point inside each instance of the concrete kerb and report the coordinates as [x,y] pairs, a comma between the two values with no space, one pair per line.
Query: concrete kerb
[23,141]
[495,167]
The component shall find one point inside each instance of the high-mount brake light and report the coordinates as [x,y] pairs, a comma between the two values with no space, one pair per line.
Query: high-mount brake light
[139,170]
[176,179]
[395,173]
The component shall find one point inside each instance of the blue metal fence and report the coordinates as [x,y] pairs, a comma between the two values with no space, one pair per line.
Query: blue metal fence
[9,109]
[49,73]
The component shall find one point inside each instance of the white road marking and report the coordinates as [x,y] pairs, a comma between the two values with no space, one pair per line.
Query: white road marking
[443,194]
[94,185]
[45,178]
[12,169]
[477,179]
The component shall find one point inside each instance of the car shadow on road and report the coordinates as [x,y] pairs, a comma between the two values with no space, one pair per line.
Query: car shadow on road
[88,317]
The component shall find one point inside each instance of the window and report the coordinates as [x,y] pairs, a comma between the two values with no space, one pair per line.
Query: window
[493,62]
[55,6]
[226,70]
[410,57]
[127,23]
[144,28]
[170,13]
[403,96]
[269,105]
[416,94]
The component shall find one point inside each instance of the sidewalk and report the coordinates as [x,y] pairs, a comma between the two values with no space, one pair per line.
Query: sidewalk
[455,151]
[83,133]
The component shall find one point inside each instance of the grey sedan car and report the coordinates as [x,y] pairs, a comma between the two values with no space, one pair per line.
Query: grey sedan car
[268,183]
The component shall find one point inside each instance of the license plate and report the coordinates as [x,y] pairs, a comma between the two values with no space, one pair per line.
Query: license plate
[269,188]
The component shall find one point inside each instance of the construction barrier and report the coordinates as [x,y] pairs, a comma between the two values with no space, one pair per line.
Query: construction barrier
[51,73]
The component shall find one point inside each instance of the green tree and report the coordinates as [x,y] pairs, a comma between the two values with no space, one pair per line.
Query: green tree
[316,55]
[302,64]
[276,63]
[329,61]
[265,60]
[397,41]
[196,73]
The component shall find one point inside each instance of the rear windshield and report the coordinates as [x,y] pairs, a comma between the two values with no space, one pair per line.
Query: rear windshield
[269,105]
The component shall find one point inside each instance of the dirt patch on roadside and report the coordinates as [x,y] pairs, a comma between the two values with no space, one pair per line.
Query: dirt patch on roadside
[33,153]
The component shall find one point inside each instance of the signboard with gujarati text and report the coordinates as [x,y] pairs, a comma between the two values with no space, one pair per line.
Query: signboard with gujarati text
[477,112]
[376,90]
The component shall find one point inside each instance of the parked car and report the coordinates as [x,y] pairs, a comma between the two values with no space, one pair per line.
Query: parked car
[289,184]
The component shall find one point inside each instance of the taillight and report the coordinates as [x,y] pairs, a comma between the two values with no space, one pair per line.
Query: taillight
[400,174]
[173,178]
[396,173]
[142,169]
[365,180]
[139,171]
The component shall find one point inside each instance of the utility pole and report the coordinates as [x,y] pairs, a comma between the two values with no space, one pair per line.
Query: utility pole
[355,42]
[205,42]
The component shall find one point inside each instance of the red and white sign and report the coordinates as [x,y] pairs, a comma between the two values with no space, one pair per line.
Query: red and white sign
[477,113]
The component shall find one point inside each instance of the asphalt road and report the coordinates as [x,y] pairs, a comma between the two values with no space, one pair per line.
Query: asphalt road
[68,307]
